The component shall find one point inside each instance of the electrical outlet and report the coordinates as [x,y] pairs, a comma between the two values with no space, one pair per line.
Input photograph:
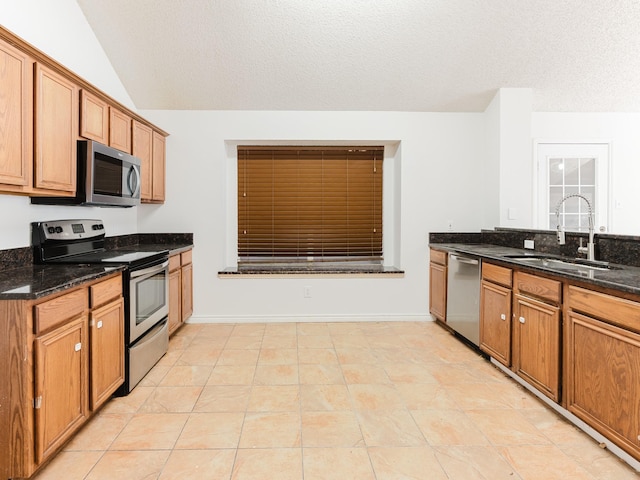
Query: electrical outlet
[306,292]
[529,244]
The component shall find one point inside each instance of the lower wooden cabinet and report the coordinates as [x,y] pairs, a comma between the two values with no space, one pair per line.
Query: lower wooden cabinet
[180,289]
[438,284]
[495,321]
[603,379]
[61,379]
[59,369]
[107,351]
[536,344]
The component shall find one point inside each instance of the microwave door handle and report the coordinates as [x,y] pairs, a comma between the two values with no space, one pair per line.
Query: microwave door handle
[136,185]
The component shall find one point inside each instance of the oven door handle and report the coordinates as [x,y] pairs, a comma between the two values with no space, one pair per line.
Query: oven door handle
[146,271]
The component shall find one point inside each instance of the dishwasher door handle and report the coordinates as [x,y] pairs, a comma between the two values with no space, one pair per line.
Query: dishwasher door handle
[467,260]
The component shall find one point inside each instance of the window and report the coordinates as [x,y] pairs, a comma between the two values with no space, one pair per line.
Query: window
[309,203]
[569,169]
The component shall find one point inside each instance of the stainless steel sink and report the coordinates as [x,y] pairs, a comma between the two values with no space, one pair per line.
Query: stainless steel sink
[576,264]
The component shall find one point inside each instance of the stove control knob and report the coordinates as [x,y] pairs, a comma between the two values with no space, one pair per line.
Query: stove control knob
[51,230]
[58,229]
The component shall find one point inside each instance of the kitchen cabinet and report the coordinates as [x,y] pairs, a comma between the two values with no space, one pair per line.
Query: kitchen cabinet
[438,284]
[602,356]
[16,119]
[537,332]
[94,117]
[119,130]
[149,147]
[61,385]
[158,168]
[107,340]
[180,289]
[53,364]
[56,131]
[142,147]
[495,312]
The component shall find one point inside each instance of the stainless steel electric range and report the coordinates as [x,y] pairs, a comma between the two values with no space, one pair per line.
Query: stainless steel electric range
[145,286]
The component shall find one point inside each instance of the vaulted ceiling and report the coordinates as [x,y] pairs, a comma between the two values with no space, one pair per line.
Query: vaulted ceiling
[371,55]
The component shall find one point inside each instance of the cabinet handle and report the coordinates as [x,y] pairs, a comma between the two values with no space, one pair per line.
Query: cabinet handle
[521,319]
[503,316]
[78,347]
[99,324]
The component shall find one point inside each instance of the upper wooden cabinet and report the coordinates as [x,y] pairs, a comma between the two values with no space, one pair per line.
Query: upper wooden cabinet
[157,187]
[56,131]
[119,130]
[16,119]
[44,109]
[142,148]
[94,118]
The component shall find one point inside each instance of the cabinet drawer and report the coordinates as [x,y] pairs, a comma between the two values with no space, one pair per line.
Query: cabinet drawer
[185,257]
[60,309]
[619,311]
[544,288]
[438,257]
[497,274]
[104,291]
[174,262]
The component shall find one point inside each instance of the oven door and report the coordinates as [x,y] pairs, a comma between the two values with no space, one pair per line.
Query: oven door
[148,299]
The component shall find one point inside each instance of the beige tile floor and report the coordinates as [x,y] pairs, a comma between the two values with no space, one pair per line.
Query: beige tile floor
[378,400]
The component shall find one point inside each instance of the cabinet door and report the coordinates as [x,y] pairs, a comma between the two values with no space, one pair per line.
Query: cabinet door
[61,376]
[438,291]
[94,118]
[603,379]
[187,291]
[142,148]
[536,355]
[56,131]
[158,193]
[119,130]
[495,322]
[16,114]
[175,300]
[107,351]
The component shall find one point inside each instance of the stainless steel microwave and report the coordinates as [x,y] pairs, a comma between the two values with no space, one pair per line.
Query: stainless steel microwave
[107,177]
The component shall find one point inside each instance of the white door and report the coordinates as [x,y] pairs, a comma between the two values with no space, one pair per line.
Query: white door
[572,168]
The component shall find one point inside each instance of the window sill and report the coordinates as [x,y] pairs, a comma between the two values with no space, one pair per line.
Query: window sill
[316,269]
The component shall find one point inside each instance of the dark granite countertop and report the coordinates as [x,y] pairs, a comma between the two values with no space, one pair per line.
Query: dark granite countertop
[620,277]
[35,281]
[23,280]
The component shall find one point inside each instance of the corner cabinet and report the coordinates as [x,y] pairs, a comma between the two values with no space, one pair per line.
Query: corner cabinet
[438,284]
[495,312]
[54,358]
[603,365]
[149,146]
[180,289]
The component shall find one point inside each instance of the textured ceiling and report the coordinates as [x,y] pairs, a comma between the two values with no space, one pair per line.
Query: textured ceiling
[385,55]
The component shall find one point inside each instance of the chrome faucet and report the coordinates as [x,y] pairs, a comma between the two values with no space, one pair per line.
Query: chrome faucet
[590,248]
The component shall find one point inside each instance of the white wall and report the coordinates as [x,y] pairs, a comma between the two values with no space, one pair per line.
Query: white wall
[623,131]
[438,175]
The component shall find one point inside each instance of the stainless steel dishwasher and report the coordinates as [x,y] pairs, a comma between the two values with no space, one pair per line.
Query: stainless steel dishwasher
[463,296]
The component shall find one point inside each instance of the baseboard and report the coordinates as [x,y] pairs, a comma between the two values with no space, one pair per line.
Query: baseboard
[306,318]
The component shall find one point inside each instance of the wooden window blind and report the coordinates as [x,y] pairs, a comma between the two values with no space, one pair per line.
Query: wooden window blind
[320,203]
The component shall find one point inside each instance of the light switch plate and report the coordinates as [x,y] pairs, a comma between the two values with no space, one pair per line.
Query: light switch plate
[529,244]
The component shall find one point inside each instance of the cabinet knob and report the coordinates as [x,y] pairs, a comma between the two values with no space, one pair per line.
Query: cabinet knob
[503,316]
[521,319]
[78,347]
[99,324]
